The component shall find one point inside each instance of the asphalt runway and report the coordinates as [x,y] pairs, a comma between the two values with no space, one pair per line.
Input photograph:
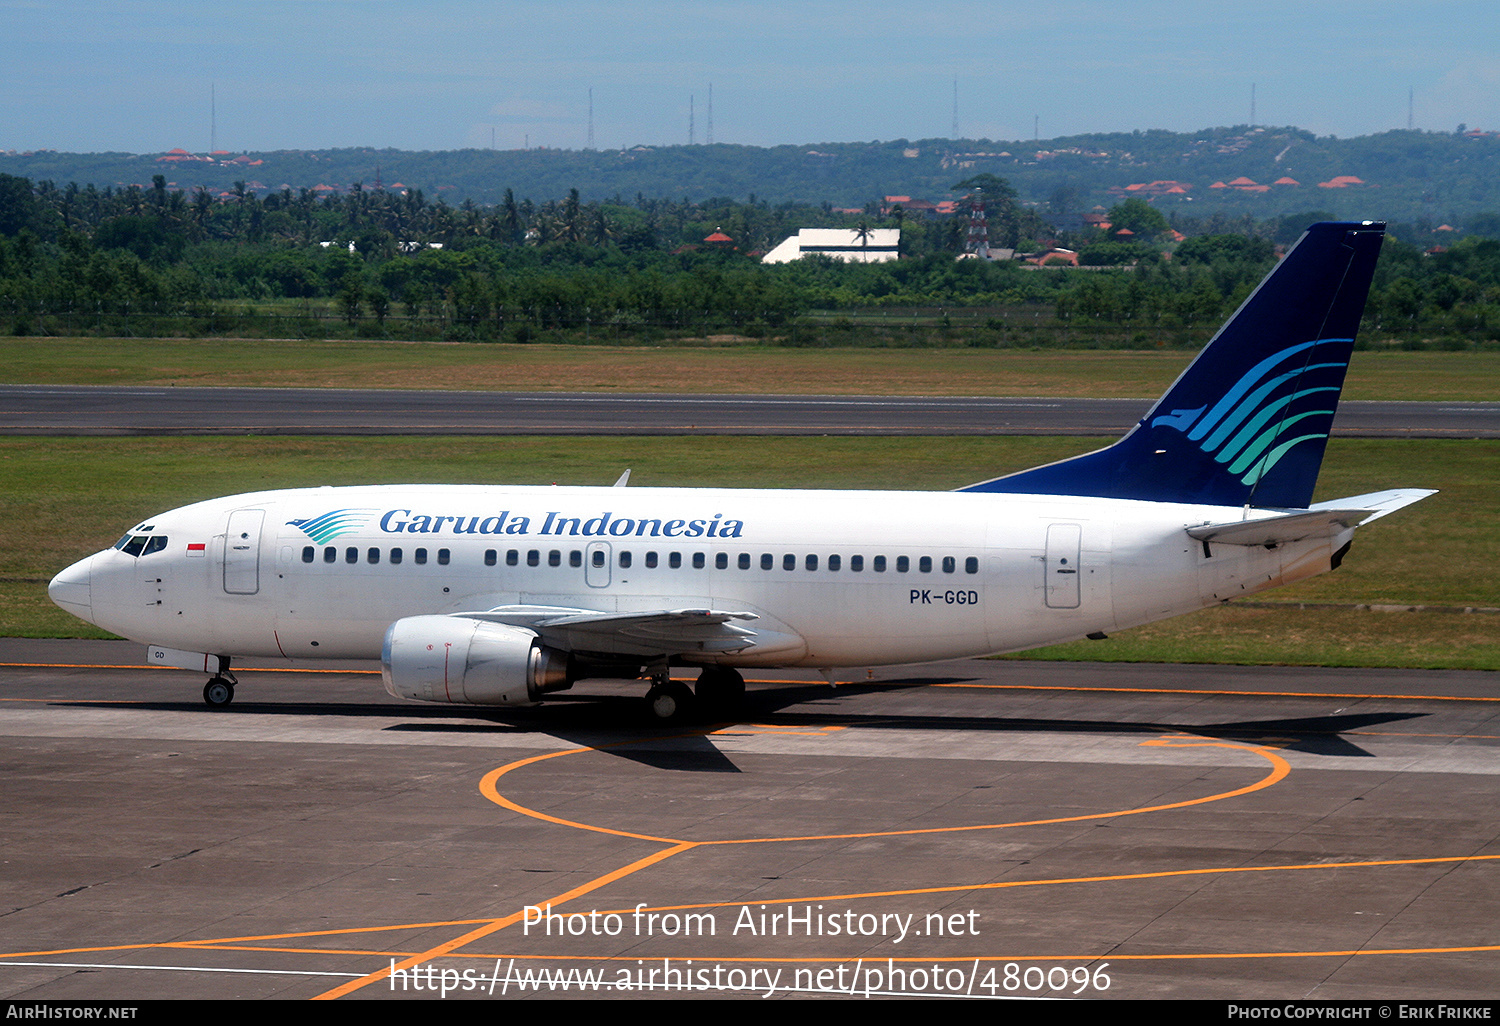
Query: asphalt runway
[108,410]
[975,828]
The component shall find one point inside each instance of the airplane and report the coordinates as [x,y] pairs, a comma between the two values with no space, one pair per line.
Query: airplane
[500,596]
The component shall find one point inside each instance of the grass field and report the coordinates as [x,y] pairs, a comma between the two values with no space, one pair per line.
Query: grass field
[726,368]
[63,498]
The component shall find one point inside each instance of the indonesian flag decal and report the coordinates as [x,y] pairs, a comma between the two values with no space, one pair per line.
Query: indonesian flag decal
[197,548]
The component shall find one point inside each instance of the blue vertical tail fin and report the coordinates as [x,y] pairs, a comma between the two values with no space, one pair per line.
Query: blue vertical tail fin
[1247,422]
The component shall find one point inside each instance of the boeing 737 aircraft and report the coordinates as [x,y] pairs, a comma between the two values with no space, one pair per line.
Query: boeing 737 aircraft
[498,596]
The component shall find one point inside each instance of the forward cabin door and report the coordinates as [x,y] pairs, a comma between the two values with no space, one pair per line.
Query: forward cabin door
[242,552]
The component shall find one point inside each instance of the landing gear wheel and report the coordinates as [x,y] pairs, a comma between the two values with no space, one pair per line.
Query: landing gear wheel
[671,702]
[721,689]
[218,692]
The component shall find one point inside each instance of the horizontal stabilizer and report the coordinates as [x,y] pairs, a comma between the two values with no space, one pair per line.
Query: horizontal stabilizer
[1291,527]
[1324,520]
[1378,503]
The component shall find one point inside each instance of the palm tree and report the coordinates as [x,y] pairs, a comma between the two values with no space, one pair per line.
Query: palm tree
[862,232]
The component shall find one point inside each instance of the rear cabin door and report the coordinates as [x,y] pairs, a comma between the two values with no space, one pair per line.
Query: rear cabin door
[1062,565]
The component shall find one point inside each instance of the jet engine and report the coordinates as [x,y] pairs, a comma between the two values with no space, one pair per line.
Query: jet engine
[464,661]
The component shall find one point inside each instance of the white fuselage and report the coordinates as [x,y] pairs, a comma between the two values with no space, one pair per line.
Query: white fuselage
[836,578]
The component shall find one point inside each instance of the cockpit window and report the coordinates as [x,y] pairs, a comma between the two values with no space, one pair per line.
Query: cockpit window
[141,544]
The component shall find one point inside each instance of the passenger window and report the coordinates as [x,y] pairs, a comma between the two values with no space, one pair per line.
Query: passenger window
[533,557]
[351,555]
[971,565]
[878,564]
[925,565]
[834,562]
[597,558]
[491,557]
[856,563]
[624,559]
[651,560]
[949,564]
[395,556]
[554,557]
[308,553]
[902,564]
[744,561]
[575,558]
[372,555]
[675,560]
[330,554]
[788,562]
[512,557]
[766,561]
[721,561]
[812,562]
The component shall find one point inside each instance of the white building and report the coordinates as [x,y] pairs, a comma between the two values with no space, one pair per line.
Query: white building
[877,245]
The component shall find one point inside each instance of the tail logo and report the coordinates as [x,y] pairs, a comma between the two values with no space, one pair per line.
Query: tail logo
[1249,427]
[333,524]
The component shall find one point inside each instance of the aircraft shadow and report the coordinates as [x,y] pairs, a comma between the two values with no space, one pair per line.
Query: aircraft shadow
[618,724]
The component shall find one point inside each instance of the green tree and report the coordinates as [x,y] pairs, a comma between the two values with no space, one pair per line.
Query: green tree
[17,204]
[1143,220]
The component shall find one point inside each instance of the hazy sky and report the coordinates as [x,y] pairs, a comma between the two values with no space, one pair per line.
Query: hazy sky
[444,74]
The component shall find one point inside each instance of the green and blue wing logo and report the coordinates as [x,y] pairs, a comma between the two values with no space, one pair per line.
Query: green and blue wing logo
[333,524]
[1252,426]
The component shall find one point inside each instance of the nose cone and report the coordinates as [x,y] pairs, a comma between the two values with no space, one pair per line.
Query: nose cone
[71,589]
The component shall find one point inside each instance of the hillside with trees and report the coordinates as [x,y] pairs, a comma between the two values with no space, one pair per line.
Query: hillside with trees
[1409,176]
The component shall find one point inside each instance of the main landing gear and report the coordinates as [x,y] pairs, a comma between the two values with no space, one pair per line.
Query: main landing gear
[719,693]
[670,701]
[721,690]
[219,691]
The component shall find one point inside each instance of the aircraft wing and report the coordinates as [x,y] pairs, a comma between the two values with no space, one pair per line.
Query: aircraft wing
[645,633]
[1323,519]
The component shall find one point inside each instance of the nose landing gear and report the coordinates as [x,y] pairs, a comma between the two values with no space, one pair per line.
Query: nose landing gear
[219,691]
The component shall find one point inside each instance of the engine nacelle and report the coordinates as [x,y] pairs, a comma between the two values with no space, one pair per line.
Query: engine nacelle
[455,659]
